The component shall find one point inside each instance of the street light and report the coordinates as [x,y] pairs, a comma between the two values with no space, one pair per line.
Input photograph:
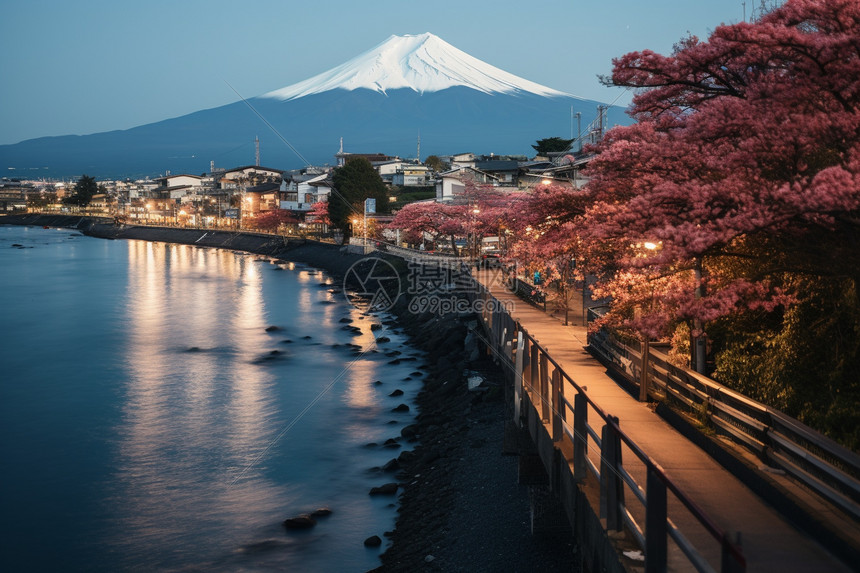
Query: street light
[475,213]
[646,344]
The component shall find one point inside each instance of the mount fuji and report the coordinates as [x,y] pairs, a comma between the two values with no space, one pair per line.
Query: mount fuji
[380,101]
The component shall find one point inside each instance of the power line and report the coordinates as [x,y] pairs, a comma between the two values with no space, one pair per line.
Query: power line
[269,125]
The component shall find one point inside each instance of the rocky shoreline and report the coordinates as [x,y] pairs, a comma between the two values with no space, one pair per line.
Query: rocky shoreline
[460,505]
[461,508]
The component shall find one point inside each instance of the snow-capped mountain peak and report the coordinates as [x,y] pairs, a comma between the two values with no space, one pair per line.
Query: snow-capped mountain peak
[423,63]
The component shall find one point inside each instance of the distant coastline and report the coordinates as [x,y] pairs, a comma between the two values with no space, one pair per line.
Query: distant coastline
[325,256]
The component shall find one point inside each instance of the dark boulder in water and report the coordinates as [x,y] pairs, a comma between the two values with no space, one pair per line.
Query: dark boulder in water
[273,328]
[303,521]
[373,541]
[321,512]
[385,489]
[392,465]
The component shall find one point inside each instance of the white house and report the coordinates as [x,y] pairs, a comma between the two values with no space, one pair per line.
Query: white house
[180,181]
[178,186]
[301,195]
[411,175]
[452,183]
[463,160]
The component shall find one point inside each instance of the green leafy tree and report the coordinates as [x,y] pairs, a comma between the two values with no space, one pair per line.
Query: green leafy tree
[434,163]
[83,191]
[552,145]
[354,182]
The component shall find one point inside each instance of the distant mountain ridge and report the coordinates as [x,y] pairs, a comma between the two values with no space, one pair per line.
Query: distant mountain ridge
[380,101]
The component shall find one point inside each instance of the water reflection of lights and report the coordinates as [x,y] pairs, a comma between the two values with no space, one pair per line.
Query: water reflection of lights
[184,414]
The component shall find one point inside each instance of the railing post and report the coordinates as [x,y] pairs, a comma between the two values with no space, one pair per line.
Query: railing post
[656,530]
[519,372]
[545,409]
[611,484]
[503,337]
[580,435]
[534,363]
[732,560]
[558,406]
[643,378]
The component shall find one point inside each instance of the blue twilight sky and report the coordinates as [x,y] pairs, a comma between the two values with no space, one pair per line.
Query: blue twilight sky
[85,66]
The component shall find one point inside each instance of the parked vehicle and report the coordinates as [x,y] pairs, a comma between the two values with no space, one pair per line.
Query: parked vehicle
[489,260]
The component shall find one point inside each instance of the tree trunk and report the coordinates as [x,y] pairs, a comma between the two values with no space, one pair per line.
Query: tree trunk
[698,346]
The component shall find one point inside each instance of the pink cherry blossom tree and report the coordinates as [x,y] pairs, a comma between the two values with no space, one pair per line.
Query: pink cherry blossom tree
[319,213]
[438,220]
[743,166]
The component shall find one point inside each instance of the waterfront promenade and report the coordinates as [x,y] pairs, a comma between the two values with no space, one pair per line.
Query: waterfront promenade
[768,541]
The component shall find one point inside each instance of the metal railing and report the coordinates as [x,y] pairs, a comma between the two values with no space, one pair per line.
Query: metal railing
[538,376]
[827,468]
[402,252]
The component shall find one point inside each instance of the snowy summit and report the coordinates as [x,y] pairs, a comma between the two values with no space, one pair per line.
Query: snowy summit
[423,63]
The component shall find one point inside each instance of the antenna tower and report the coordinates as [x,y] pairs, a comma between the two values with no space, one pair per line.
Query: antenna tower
[257,151]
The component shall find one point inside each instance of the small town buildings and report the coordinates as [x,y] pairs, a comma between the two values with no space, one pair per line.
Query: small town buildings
[261,198]
[13,195]
[250,175]
[506,171]
[374,158]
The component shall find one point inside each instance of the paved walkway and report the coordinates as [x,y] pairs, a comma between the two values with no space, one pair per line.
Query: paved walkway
[769,543]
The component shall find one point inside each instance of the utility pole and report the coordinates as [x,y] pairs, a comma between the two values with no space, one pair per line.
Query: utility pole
[601,110]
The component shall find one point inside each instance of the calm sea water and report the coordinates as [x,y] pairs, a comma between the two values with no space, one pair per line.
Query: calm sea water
[146,424]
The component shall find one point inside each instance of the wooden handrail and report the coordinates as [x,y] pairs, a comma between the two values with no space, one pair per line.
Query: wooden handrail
[820,463]
[553,406]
